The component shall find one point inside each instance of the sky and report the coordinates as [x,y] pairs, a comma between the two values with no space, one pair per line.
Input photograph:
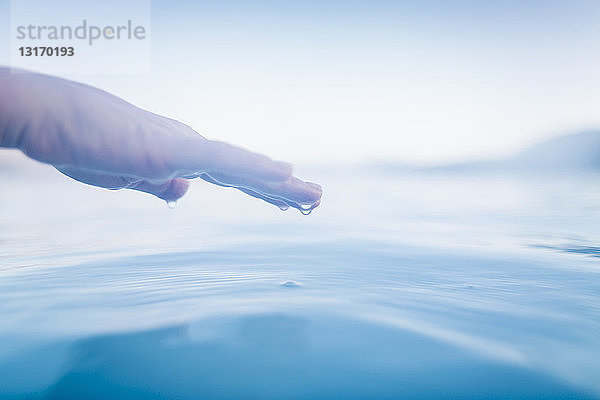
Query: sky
[426,82]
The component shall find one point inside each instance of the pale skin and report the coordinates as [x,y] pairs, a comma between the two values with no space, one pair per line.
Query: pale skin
[102,140]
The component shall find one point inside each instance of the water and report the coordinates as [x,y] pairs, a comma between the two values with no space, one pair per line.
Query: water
[416,285]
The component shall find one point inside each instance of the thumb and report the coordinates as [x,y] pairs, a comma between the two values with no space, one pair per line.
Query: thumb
[169,190]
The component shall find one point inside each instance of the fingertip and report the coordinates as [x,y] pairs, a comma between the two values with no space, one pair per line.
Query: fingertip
[316,191]
[302,192]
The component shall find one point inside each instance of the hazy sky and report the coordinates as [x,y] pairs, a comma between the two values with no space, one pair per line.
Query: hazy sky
[425,81]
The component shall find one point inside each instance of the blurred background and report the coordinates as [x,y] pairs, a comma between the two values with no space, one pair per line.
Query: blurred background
[426,82]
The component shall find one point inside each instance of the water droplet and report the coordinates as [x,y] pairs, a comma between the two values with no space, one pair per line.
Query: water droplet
[306,209]
[290,284]
[283,207]
[171,204]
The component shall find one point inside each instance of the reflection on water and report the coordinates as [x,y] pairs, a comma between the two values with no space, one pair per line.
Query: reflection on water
[279,356]
[592,251]
[417,285]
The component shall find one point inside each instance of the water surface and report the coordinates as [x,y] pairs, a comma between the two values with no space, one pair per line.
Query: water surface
[411,284]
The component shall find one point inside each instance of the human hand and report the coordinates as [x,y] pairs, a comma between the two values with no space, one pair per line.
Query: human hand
[102,140]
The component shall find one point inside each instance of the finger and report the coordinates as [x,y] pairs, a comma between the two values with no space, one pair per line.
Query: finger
[276,202]
[169,190]
[291,190]
[304,196]
[283,204]
[196,155]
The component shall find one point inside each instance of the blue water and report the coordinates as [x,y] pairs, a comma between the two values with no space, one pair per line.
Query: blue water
[406,284]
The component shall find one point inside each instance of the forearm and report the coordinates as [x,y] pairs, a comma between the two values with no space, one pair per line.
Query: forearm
[12,109]
[5,94]
[61,122]
[34,115]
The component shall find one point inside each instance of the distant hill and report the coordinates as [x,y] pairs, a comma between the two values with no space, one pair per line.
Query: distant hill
[568,153]
[576,151]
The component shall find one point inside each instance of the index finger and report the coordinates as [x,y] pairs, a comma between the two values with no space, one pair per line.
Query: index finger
[197,155]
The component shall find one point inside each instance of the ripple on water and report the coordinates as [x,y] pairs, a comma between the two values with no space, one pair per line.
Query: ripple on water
[290,284]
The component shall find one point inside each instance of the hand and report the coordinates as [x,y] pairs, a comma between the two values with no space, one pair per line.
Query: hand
[99,139]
